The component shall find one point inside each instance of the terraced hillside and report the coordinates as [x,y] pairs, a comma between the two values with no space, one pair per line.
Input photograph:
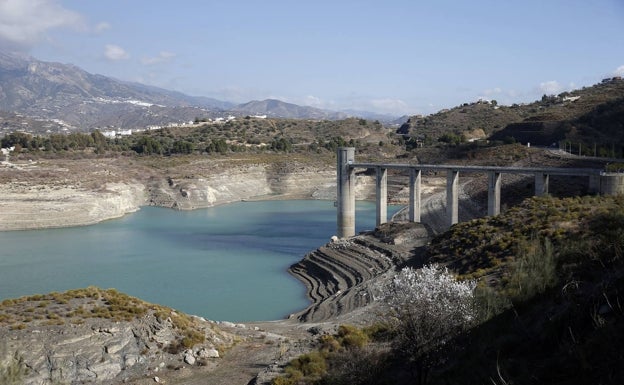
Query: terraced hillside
[343,275]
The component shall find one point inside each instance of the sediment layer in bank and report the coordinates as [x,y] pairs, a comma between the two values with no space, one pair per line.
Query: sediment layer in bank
[346,274]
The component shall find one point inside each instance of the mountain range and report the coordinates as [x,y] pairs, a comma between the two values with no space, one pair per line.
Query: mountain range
[40,96]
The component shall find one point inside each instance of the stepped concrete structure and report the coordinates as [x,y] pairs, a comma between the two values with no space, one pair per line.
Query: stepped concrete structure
[599,183]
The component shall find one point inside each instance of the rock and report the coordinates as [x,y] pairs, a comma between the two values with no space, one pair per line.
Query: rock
[189,357]
[156,379]
[334,238]
[208,353]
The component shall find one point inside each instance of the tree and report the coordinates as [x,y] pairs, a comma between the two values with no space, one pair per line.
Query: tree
[16,138]
[182,147]
[99,142]
[147,145]
[428,308]
[217,145]
[281,144]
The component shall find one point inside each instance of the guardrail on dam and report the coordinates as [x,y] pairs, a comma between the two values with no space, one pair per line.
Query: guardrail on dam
[599,182]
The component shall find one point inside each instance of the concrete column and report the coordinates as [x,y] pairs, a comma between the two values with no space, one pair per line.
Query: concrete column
[345,200]
[382,195]
[452,196]
[541,184]
[611,184]
[414,195]
[494,193]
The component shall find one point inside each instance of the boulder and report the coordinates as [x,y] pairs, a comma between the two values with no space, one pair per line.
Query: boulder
[189,357]
[208,353]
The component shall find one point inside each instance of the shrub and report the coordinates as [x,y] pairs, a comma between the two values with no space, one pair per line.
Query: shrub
[533,271]
[429,308]
[351,337]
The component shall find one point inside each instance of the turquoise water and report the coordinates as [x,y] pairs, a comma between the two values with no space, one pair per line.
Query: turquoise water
[222,263]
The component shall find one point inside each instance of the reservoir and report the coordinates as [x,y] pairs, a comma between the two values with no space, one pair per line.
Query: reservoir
[223,263]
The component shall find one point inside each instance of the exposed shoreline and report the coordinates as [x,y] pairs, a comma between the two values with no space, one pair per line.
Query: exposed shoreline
[75,193]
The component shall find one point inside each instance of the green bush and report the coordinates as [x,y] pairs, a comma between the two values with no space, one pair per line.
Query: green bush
[534,271]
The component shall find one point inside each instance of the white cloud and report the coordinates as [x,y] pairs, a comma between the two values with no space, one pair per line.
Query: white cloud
[163,56]
[551,87]
[101,27]
[115,52]
[619,71]
[23,24]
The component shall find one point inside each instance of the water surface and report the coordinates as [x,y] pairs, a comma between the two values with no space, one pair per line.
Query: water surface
[222,263]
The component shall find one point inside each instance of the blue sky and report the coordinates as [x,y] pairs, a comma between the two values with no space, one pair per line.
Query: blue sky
[392,56]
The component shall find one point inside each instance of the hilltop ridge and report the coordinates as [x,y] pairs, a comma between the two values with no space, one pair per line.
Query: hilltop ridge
[589,115]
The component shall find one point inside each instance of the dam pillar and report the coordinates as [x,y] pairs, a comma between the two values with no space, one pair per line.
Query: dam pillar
[345,192]
[414,195]
[611,184]
[541,184]
[452,196]
[494,193]
[381,189]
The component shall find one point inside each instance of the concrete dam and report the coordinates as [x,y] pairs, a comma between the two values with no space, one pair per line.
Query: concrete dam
[600,182]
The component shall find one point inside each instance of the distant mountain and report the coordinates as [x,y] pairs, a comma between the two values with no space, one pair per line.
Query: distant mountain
[70,97]
[278,109]
[383,118]
[40,96]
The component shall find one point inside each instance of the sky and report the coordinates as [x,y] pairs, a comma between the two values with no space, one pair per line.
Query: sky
[398,57]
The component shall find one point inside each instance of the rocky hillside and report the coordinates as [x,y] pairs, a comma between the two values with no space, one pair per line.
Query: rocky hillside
[99,336]
[590,115]
[66,95]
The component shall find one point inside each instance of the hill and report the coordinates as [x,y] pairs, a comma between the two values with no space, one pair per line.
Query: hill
[551,274]
[278,109]
[591,116]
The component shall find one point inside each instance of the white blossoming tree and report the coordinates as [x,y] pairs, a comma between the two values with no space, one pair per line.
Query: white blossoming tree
[429,307]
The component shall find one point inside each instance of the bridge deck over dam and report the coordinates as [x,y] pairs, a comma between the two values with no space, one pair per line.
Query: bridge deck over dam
[599,183]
